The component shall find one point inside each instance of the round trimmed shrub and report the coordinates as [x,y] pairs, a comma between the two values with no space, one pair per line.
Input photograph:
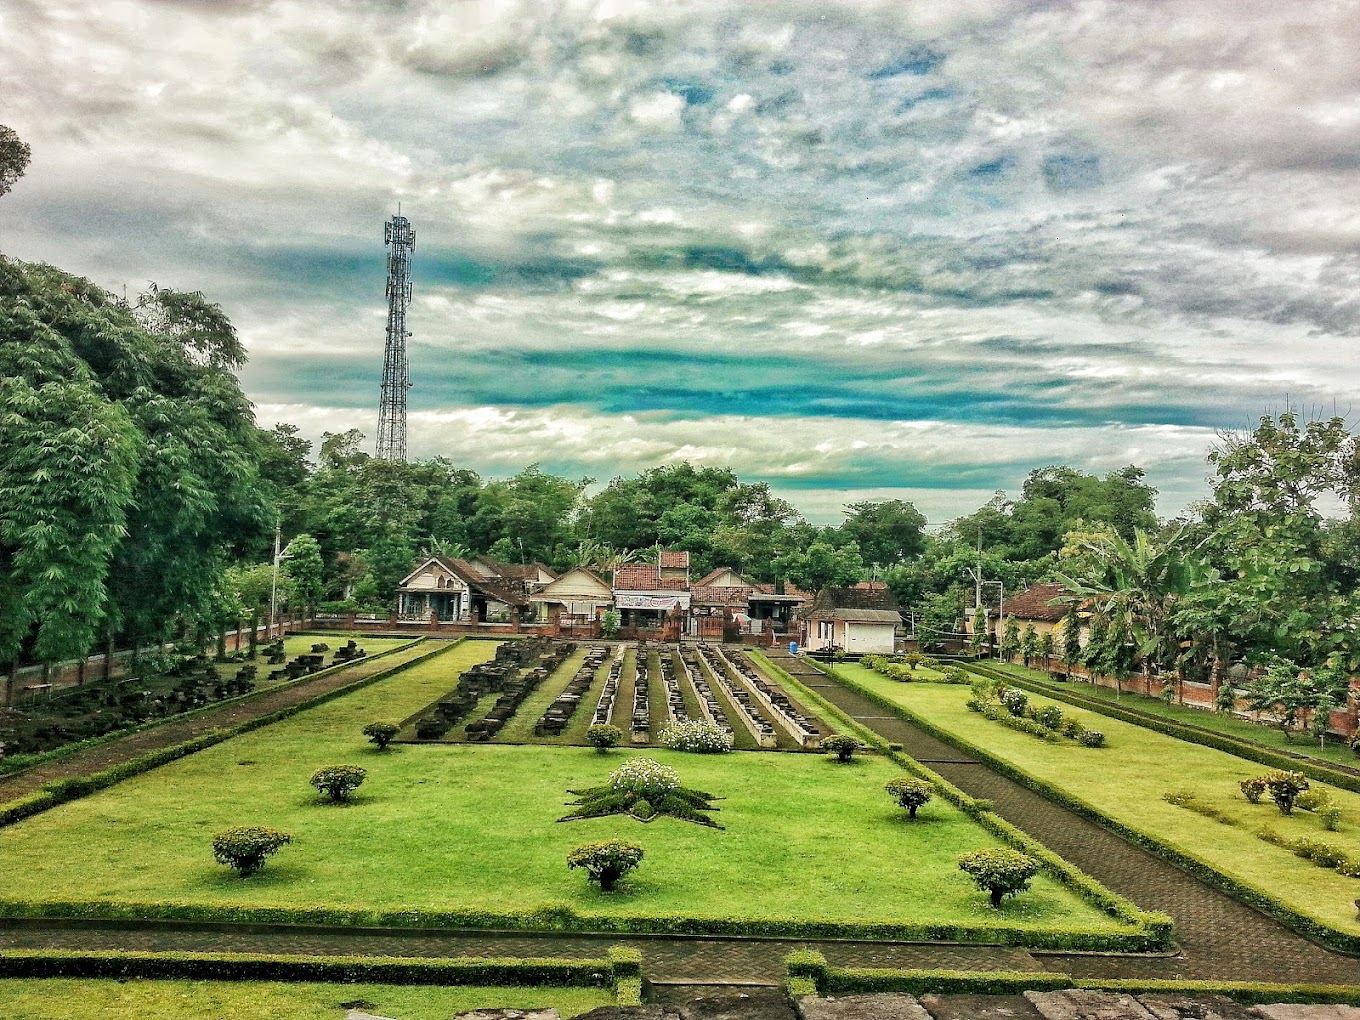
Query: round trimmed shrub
[246,847]
[910,793]
[1091,738]
[645,777]
[1015,701]
[999,871]
[606,861]
[603,736]
[698,736]
[337,782]
[1050,717]
[381,733]
[842,745]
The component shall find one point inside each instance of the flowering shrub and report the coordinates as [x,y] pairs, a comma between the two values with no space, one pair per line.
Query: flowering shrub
[1285,787]
[1091,738]
[645,777]
[698,736]
[1015,701]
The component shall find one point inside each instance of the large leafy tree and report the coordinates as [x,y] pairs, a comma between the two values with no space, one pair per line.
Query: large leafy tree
[887,532]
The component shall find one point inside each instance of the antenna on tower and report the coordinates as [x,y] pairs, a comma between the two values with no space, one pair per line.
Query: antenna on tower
[400,238]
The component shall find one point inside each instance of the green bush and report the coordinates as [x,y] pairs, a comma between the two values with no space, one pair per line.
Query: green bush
[246,847]
[606,861]
[910,793]
[1253,789]
[1050,717]
[1285,786]
[1091,738]
[843,746]
[381,733]
[1015,701]
[603,736]
[1312,800]
[999,871]
[337,782]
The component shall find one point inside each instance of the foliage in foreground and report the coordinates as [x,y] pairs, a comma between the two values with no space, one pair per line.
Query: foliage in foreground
[999,871]
[911,794]
[246,847]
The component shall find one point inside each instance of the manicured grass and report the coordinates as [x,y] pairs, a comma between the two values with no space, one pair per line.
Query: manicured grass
[142,999]
[301,644]
[1126,780]
[452,826]
[1229,725]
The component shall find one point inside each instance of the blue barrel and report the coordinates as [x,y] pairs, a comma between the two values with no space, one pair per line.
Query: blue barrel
[793,647]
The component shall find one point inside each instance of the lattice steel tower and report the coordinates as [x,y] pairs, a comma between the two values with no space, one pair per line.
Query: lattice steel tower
[400,237]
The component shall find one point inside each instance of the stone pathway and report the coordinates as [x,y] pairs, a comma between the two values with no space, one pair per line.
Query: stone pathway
[114,752]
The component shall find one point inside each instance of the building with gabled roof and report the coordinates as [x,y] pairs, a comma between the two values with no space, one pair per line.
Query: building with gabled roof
[863,619]
[578,597]
[452,590]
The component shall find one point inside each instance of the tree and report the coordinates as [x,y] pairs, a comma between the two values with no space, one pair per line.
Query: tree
[823,565]
[246,847]
[14,157]
[1044,648]
[1071,640]
[337,782]
[911,794]
[978,636]
[305,568]
[381,733]
[606,861]
[999,871]
[843,746]
[886,533]
[1010,638]
[1029,643]
[1288,692]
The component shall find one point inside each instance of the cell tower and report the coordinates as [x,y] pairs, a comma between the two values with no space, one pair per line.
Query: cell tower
[400,237]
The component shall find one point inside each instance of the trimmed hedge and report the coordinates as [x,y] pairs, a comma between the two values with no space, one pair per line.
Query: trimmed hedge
[75,787]
[810,970]
[28,761]
[1241,748]
[52,963]
[1155,931]
[1309,927]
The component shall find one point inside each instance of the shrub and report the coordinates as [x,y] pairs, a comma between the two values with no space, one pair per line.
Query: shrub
[910,793]
[1354,744]
[1312,800]
[913,660]
[338,781]
[1324,855]
[1253,789]
[842,745]
[1091,738]
[1050,716]
[1015,701]
[957,675]
[606,861]
[1285,787]
[999,871]
[1330,817]
[246,847]
[603,736]
[698,736]
[645,777]
[1071,729]
[381,733]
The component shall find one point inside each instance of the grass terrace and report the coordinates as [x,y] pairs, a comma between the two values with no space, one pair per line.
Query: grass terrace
[1127,780]
[467,835]
[153,999]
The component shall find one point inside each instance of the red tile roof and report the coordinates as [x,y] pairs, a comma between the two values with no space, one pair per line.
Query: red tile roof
[1033,603]
[830,600]
[646,577]
[673,559]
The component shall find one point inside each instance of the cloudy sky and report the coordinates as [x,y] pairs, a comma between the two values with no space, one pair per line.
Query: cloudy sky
[857,249]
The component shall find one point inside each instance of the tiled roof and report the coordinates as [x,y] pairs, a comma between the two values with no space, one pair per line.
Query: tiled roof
[720,595]
[713,575]
[829,600]
[674,559]
[1033,603]
[646,577]
[506,590]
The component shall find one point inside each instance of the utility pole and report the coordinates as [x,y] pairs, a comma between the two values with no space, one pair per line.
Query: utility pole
[400,237]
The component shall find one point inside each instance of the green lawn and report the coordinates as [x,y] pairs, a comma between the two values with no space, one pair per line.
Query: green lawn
[301,644]
[1229,725]
[141,999]
[1126,780]
[460,826]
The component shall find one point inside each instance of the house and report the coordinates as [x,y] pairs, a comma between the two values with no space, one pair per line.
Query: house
[453,590]
[645,593]
[534,576]
[1033,605]
[756,607]
[861,619]
[578,596]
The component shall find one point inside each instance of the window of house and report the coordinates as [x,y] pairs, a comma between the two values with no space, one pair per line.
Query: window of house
[825,629]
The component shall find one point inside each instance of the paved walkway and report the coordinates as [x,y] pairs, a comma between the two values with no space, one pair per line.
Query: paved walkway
[102,756]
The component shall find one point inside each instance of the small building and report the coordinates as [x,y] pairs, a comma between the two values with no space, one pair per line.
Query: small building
[863,619]
[453,590]
[754,607]
[577,597]
[1035,606]
[646,593]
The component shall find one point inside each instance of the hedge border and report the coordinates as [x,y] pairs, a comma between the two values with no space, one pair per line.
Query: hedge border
[471,970]
[67,750]
[1155,930]
[1314,768]
[809,967]
[62,791]
[1311,928]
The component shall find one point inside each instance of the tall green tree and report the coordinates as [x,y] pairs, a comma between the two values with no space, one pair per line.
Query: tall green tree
[887,532]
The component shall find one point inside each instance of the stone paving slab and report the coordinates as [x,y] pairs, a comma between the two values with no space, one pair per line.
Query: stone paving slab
[1300,1011]
[980,1007]
[1083,1004]
[860,1007]
[1166,1006]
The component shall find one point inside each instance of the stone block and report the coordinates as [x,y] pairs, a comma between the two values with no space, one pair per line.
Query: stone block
[1300,1011]
[886,1006]
[509,1014]
[1165,1006]
[1081,1004]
